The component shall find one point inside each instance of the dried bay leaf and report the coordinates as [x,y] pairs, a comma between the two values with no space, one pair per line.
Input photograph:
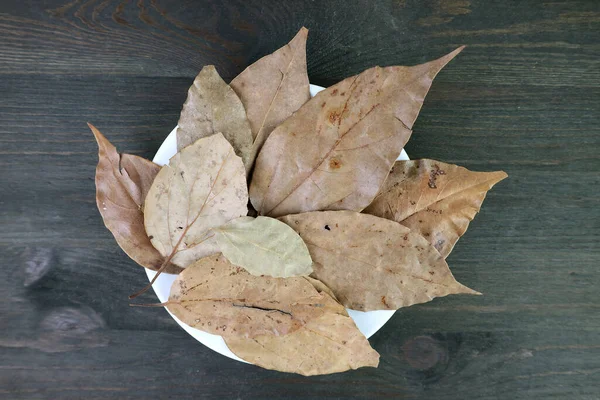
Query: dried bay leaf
[217,297]
[264,246]
[122,182]
[328,344]
[335,152]
[278,323]
[435,199]
[202,187]
[274,87]
[371,263]
[212,107]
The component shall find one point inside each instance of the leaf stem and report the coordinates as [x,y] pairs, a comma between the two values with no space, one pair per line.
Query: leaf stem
[165,264]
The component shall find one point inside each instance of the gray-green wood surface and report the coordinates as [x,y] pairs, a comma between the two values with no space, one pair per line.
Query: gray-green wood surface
[523,97]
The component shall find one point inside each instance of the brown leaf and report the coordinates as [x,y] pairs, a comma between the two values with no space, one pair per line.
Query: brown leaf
[212,107]
[335,152]
[325,345]
[202,187]
[435,199]
[371,263]
[217,297]
[122,182]
[274,87]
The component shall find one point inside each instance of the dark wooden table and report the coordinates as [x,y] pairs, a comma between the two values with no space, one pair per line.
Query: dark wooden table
[523,97]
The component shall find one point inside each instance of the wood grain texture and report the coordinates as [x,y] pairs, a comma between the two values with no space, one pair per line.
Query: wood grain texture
[523,97]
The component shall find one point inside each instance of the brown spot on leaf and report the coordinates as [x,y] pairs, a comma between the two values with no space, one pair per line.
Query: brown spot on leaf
[335,163]
[334,92]
[334,116]
[435,172]
[384,302]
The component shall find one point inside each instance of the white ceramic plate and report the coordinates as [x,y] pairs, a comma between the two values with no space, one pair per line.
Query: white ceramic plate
[368,322]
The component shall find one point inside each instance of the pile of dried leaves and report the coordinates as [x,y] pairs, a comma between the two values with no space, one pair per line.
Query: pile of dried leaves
[341,224]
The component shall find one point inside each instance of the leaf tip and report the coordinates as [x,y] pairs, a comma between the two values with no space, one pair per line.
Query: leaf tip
[94,130]
[496,177]
[100,138]
[299,38]
[467,290]
[207,72]
[448,57]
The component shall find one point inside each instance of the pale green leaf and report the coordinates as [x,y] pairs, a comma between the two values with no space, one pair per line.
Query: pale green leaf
[264,246]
